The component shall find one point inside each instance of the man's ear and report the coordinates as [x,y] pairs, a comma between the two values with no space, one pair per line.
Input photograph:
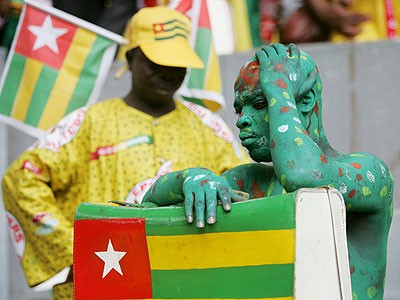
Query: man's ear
[129,58]
[307,102]
[306,99]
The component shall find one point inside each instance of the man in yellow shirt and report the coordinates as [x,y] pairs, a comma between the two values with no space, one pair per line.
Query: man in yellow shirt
[114,150]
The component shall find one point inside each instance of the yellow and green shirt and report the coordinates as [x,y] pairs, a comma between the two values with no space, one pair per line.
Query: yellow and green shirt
[109,151]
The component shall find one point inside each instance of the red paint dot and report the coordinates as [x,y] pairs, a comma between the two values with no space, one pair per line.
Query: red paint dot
[272,144]
[323,158]
[280,67]
[352,270]
[284,109]
[240,184]
[359,177]
[352,193]
[356,165]
[281,83]
[340,172]
[256,190]
[203,182]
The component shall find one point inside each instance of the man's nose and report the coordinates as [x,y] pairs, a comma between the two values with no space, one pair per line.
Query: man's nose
[243,121]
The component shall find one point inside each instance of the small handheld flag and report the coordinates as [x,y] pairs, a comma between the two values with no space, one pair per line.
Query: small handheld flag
[56,64]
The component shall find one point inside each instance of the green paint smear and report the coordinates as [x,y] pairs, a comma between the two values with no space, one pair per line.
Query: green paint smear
[383,192]
[371,292]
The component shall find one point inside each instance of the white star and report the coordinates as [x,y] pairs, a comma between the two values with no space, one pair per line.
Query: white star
[46,35]
[111,259]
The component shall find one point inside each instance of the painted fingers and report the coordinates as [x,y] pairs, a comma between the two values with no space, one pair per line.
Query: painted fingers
[202,193]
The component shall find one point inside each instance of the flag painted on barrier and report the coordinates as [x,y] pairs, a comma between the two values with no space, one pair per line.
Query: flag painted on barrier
[202,86]
[57,63]
[243,256]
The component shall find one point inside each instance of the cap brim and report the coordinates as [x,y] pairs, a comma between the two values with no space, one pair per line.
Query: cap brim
[172,53]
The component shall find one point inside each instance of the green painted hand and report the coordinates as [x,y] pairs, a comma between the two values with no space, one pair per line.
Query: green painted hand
[199,189]
[280,68]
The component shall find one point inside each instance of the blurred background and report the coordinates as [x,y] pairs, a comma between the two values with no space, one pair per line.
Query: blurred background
[360,70]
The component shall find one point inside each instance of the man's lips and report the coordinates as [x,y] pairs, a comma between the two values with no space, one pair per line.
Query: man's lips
[246,138]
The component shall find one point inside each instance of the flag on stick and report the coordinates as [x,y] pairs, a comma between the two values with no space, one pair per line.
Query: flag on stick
[202,86]
[56,64]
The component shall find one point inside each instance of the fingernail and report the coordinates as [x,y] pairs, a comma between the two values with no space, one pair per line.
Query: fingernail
[200,224]
[227,207]
[211,220]
[189,219]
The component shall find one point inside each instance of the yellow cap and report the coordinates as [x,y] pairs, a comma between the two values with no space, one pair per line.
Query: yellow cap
[163,36]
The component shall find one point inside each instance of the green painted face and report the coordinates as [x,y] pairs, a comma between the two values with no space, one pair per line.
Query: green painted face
[252,109]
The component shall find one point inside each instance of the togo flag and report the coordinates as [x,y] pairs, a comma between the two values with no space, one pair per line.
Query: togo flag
[202,86]
[130,253]
[56,64]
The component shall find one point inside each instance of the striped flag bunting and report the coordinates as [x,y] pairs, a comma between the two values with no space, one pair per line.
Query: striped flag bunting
[130,253]
[202,86]
[56,64]
[246,17]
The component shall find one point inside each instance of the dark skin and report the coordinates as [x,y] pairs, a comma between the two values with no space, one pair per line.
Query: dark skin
[153,86]
[336,15]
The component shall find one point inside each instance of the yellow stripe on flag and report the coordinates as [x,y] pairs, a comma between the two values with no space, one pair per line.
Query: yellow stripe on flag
[242,25]
[28,82]
[226,249]
[213,78]
[67,78]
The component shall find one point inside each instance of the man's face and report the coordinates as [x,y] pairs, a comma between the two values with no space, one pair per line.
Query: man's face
[252,108]
[154,82]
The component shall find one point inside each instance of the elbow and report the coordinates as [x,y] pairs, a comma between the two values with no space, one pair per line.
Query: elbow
[295,180]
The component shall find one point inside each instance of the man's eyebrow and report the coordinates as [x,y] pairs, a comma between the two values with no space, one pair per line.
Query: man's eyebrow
[256,94]
[248,97]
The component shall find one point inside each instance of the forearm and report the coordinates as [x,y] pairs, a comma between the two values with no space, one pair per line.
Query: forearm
[297,158]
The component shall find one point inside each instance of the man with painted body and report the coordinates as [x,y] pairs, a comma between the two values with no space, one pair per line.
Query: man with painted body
[278,102]
[115,149]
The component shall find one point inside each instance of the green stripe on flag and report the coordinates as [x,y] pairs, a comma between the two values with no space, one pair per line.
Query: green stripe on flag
[41,94]
[253,10]
[88,75]
[202,48]
[12,82]
[193,100]
[268,281]
[272,213]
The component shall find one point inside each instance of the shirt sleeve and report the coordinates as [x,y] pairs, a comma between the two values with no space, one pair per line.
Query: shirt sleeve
[40,224]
